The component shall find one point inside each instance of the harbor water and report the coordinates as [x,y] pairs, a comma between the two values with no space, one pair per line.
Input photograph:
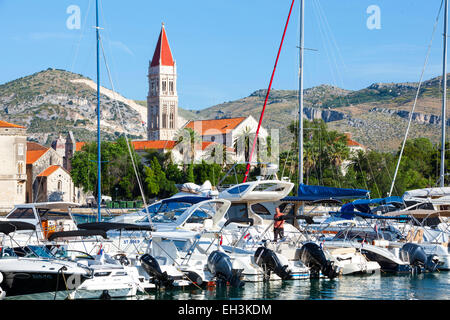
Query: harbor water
[428,286]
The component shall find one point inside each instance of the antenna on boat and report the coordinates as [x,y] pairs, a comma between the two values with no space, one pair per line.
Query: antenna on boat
[444,96]
[99,189]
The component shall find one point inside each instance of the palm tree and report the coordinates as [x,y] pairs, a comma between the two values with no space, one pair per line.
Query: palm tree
[219,153]
[243,143]
[186,140]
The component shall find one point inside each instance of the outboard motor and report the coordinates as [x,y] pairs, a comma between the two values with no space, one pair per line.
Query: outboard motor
[219,264]
[268,260]
[417,258]
[313,257]
[151,266]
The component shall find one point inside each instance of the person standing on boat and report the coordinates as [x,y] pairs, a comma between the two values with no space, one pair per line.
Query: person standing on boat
[278,225]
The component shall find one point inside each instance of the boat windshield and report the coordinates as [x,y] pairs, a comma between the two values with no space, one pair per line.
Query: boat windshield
[26,252]
[167,212]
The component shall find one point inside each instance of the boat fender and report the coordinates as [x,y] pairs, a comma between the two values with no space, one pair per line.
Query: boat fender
[268,260]
[1,277]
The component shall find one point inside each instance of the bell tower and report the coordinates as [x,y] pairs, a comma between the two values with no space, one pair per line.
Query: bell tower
[162,99]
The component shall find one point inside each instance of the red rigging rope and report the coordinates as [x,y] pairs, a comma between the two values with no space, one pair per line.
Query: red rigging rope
[267,96]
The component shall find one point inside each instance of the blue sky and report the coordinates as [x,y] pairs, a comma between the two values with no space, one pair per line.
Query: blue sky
[224,49]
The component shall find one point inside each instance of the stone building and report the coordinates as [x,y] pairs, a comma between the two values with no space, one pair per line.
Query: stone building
[39,158]
[162,99]
[228,132]
[13,177]
[55,184]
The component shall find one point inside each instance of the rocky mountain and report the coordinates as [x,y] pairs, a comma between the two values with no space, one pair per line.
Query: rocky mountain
[54,101]
[377,116]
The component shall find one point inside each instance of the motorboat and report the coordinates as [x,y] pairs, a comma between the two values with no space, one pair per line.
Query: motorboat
[32,269]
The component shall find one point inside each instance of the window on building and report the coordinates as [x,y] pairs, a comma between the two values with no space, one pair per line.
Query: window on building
[171,87]
[164,86]
[59,185]
[171,121]
[164,120]
[19,188]
[20,149]
[20,169]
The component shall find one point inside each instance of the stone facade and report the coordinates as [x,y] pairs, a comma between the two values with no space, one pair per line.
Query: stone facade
[162,99]
[13,177]
[55,184]
[48,157]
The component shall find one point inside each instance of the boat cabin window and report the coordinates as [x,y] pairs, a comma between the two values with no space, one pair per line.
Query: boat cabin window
[198,217]
[22,213]
[238,189]
[259,209]
[268,187]
[237,210]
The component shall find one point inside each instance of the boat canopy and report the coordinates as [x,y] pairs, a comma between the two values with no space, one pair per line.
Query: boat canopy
[106,226]
[77,233]
[7,227]
[363,205]
[380,217]
[427,193]
[322,193]
[424,213]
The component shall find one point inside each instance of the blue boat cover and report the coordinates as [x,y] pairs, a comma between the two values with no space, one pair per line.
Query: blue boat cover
[363,205]
[376,216]
[313,193]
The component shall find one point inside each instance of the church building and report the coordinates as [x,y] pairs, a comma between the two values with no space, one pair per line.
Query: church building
[162,99]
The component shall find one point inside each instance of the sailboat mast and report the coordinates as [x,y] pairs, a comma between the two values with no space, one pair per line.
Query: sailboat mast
[99,189]
[444,96]
[300,97]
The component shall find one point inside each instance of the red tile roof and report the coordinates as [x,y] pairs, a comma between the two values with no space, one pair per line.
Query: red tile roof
[33,146]
[35,155]
[4,124]
[156,144]
[79,145]
[214,126]
[162,55]
[350,142]
[49,171]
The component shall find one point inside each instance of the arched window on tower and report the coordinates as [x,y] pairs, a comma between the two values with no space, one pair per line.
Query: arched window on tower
[171,87]
[20,167]
[164,120]
[171,120]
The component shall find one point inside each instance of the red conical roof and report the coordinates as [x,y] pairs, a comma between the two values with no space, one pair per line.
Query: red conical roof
[162,55]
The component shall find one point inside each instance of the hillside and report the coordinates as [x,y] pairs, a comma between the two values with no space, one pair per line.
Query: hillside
[55,101]
[377,116]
